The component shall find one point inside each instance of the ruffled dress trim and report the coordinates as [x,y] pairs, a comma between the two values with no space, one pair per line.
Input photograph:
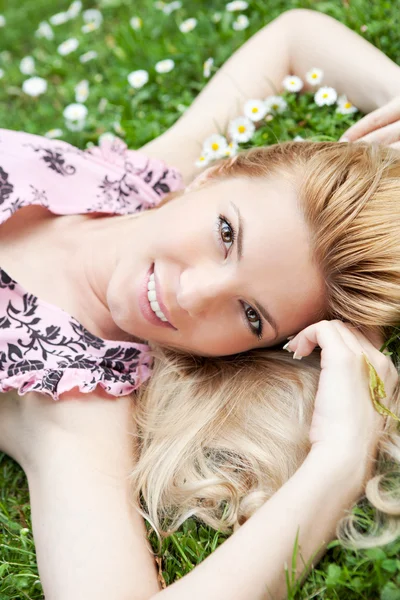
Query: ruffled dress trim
[42,347]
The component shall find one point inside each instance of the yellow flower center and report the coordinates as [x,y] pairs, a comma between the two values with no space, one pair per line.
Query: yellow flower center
[202,158]
[325,95]
[241,129]
[275,106]
[254,109]
[348,105]
[314,76]
[215,146]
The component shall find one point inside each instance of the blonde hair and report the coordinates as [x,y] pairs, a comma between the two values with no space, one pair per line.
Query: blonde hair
[219,436]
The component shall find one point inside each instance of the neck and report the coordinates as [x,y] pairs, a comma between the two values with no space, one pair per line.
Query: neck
[97,243]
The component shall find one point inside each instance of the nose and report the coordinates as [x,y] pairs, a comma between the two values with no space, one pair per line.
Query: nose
[202,288]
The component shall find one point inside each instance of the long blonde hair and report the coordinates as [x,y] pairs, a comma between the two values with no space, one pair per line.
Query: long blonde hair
[217,437]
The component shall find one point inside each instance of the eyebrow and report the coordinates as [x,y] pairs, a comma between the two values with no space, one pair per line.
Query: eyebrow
[239,246]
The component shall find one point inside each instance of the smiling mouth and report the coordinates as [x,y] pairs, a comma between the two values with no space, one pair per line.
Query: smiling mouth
[152,297]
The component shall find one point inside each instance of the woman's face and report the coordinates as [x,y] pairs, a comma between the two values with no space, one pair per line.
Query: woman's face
[232,270]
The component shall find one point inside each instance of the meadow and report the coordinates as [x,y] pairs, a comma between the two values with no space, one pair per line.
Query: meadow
[131,69]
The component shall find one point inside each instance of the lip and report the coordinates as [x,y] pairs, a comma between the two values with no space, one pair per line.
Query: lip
[144,303]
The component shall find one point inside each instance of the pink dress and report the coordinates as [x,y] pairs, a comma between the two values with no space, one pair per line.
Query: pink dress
[42,347]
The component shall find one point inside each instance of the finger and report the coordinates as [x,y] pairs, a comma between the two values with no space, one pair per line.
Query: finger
[382,364]
[356,340]
[385,135]
[375,120]
[323,334]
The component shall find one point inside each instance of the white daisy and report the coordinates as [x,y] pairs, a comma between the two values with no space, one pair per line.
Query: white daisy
[1,73]
[34,86]
[90,55]
[75,116]
[188,25]
[82,91]
[207,66]
[216,17]
[106,136]
[242,22]
[89,27]
[215,146]
[325,96]
[74,9]
[75,125]
[314,76]
[298,138]
[241,130]
[255,110]
[68,46]
[136,23]
[275,104]
[171,7]
[345,107]
[75,112]
[44,31]
[232,149]
[164,66]
[137,79]
[292,83]
[2,20]
[202,161]
[118,128]
[102,105]
[27,65]
[237,5]
[92,15]
[59,18]
[54,133]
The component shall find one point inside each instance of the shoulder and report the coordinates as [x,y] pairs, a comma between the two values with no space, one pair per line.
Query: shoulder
[102,425]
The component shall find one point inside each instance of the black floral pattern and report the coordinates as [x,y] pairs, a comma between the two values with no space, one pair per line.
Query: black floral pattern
[117,190]
[6,188]
[35,346]
[40,343]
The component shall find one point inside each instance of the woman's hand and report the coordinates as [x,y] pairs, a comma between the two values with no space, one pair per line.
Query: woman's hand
[381,126]
[345,423]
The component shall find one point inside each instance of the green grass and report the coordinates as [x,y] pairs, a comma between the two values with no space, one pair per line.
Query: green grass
[139,116]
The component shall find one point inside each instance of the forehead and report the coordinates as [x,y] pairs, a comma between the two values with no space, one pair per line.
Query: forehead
[277,262]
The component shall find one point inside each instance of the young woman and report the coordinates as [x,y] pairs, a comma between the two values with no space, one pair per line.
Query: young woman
[268,244]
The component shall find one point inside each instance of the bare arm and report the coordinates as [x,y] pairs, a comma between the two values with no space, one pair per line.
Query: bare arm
[250,564]
[293,43]
[90,540]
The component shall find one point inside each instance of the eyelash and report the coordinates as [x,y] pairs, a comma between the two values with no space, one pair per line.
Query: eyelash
[220,223]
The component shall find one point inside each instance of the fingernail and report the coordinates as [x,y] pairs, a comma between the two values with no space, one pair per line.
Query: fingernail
[344,139]
[297,356]
[286,347]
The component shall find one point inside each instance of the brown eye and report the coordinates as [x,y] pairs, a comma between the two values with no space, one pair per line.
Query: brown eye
[254,319]
[226,232]
[252,315]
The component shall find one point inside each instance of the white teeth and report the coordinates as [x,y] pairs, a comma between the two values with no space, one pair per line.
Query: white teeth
[152,296]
